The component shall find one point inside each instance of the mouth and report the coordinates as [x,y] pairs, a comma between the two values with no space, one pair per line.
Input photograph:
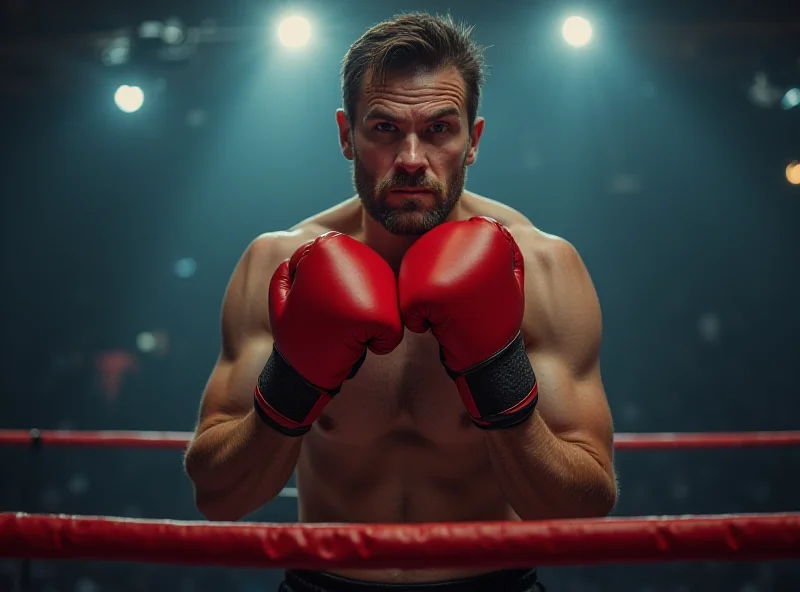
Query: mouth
[410,190]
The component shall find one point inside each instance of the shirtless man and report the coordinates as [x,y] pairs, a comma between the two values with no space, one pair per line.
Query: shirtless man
[341,377]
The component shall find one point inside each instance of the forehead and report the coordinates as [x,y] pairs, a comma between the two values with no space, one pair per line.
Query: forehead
[414,92]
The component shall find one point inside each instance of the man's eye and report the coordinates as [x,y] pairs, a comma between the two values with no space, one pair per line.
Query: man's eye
[384,126]
[439,128]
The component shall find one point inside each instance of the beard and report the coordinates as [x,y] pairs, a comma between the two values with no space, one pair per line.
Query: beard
[414,216]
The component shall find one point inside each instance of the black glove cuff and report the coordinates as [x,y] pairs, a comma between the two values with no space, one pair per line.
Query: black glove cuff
[284,400]
[498,385]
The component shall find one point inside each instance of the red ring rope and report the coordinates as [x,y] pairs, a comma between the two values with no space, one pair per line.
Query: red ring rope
[179,440]
[105,439]
[324,546]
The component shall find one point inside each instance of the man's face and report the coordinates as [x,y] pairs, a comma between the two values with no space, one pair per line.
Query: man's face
[410,145]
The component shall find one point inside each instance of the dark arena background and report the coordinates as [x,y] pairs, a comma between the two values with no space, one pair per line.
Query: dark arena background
[145,144]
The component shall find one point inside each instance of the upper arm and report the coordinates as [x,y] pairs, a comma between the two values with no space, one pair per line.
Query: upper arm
[563,327]
[246,336]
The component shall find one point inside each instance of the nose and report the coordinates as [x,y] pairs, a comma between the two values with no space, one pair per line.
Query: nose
[410,156]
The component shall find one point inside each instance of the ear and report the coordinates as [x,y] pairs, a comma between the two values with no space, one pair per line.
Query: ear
[345,135]
[474,140]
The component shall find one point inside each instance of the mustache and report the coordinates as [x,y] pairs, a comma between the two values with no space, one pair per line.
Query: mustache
[404,180]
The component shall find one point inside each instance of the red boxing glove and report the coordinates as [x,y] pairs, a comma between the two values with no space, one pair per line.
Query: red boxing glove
[465,282]
[330,302]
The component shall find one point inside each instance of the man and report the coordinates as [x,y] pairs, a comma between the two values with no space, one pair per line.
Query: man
[418,352]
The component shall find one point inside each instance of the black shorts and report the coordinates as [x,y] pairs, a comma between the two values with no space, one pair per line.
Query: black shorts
[507,580]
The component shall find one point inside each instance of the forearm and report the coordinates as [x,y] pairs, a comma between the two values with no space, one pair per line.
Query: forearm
[238,466]
[545,477]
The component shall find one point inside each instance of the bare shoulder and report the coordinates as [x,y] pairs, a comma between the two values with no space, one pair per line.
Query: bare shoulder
[269,249]
[546,252]
[562,309]
[552,263]
[478,205]
[276,246]
[344,217]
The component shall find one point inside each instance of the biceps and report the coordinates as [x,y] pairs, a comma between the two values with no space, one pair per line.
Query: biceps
[229,391]
[575,409]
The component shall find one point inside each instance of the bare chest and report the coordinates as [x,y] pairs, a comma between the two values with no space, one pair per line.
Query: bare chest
[406,391]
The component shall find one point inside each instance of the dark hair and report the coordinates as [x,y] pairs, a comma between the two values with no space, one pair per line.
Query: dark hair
[411,41]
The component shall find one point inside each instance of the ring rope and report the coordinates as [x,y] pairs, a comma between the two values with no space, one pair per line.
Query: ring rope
[179,440]
[747,537]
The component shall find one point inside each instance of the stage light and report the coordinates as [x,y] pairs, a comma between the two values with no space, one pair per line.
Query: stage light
[791,98]
[146,342]
[117,51]
[793,173]
[129,98]
[185,268]
[150,29]
[294,31]
[577,31]
[173,33]
[153,342]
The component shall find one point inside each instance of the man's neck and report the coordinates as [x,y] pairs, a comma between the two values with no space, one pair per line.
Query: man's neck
[393,247]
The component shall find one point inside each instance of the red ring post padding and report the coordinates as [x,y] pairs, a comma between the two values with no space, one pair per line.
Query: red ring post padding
[325,546]
[179,440]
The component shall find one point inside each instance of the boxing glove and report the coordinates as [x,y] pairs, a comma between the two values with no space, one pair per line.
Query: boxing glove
[465,282]
[330,302]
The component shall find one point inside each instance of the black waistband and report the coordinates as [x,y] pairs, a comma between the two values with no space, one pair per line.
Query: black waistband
[509,580]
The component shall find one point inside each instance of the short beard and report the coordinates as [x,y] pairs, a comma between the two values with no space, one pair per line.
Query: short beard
[412,218]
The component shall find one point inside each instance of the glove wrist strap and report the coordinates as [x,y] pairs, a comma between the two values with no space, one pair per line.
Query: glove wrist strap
[500,392]
[286,401]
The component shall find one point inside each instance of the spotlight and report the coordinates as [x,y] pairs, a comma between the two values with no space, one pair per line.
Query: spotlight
[577,31]
[791,98]
[764,92]
[793,173]
[173,33]
[146,342]
[129,98]
[294,31]
[117,51]
[185,268]
[153,342]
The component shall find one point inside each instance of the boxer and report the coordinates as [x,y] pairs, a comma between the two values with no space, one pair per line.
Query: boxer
[416,353]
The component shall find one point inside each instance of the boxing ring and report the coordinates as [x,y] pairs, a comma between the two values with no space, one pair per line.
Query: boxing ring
[729,537]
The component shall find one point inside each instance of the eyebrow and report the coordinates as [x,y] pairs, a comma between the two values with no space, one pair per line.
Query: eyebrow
[381,113]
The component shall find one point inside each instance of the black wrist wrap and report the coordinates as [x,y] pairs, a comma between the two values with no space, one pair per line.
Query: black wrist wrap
[286,401]
[500,392]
